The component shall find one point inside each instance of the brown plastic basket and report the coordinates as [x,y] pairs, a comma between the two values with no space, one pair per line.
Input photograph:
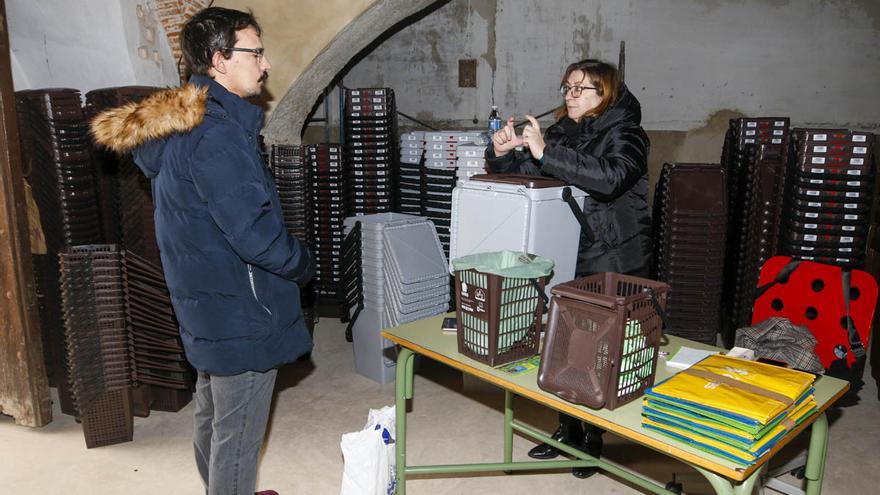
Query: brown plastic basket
[602,339]
[110,420]
[499,318]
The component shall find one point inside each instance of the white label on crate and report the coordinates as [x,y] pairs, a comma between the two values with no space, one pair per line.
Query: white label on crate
[356,108]
[811,226]
[857,161]
[751,124]
[378,100]
[851,206]
[806,248]
[471,153]
[820,137]
[355,100]
[358,152]
[860,150]
[842,260]
[847,240]
[748,141]
[820,149]
[814,205]
[854,172]
[817,170]
[845,250]
[779,123]
[850,217]
[853,183]
[818,160]
[777,133]
[811,215]
[849,228]
[852,195]
[816,181]
[750,133]
[859,138]
[812,193]
[810,237]
[776,141]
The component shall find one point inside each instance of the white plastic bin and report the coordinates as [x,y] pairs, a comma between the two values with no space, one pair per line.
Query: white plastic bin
[519,213]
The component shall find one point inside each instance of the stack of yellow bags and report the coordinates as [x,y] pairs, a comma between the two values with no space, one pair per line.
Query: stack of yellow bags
[731,407]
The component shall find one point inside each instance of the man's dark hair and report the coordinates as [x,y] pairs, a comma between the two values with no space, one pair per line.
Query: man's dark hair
[212,30]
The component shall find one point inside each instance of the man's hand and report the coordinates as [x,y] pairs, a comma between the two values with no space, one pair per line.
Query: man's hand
[533,138]
[505,139]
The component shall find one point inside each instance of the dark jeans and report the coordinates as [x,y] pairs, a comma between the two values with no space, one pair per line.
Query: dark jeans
[230,421]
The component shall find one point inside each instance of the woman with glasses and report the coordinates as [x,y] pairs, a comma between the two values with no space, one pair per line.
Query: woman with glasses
[598,145]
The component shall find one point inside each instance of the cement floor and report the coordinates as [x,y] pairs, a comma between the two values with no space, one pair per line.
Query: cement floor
[316,402]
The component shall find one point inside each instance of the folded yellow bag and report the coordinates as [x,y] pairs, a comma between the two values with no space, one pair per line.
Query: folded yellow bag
[749,389]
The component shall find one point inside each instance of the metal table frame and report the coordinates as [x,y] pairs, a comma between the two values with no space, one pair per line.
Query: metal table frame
[425,338]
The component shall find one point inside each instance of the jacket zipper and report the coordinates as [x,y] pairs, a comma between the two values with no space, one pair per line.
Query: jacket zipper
[254,289]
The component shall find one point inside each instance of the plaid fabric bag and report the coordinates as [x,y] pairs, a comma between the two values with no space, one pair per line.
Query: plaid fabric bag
[779,339]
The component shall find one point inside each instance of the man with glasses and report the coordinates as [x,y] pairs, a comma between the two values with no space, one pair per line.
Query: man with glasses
[231,266]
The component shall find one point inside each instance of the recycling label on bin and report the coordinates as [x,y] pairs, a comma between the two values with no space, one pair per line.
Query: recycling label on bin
[473,301]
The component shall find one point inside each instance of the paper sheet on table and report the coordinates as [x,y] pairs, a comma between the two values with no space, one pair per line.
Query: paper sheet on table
[687,357]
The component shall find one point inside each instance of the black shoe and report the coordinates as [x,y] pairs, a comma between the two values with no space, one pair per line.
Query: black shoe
[593,447]
[569,433]
[584,472]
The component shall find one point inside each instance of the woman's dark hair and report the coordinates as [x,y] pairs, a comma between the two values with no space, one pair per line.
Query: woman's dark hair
[603,76]
[209,31]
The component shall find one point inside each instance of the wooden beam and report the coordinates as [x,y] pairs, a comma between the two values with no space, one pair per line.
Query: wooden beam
[24,388]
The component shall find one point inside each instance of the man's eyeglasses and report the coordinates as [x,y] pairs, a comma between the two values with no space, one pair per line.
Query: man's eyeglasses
[575,90]
[258,52]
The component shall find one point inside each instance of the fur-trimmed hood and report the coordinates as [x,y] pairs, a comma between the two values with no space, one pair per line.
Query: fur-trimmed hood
[158,116]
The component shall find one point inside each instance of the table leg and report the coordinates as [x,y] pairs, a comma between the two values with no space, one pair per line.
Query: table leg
[723,486]
[508,426]
[815,469]
[402,392]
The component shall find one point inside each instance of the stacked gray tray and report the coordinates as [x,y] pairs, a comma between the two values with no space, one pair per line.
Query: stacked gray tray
[405,278]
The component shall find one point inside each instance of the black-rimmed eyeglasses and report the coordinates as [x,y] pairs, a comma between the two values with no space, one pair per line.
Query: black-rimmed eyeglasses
[258,52]
[575,90]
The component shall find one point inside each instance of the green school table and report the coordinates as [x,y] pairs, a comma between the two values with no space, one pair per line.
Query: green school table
[424,337]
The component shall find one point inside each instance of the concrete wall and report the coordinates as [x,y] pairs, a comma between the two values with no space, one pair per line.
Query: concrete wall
[687,60]
[87,44]
[294,33]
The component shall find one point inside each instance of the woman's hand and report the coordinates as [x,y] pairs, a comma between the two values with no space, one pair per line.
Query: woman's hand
[505,139]
[533,138]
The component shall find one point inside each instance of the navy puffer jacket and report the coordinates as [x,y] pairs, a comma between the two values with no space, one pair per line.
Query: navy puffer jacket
[231,266]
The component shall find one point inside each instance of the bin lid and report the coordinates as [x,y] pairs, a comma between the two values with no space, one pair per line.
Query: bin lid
[528,181]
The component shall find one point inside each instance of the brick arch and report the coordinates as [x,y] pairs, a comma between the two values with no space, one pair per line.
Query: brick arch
[286,122]
[173,14]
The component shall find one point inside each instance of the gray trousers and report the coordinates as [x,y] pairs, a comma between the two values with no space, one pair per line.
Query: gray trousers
[230,422]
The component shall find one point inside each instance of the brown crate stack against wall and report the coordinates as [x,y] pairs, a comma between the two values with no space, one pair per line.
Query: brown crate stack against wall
[755,155]
[690,216]
[288,165]
[58,162]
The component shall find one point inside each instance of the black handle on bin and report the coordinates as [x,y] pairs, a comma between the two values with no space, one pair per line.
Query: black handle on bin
[578,214]
[540,292]
[660,312]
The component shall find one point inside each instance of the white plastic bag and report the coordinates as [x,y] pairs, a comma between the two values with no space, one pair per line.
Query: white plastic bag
[369,456]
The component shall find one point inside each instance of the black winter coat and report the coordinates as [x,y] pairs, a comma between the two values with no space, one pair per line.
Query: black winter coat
[606,156]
